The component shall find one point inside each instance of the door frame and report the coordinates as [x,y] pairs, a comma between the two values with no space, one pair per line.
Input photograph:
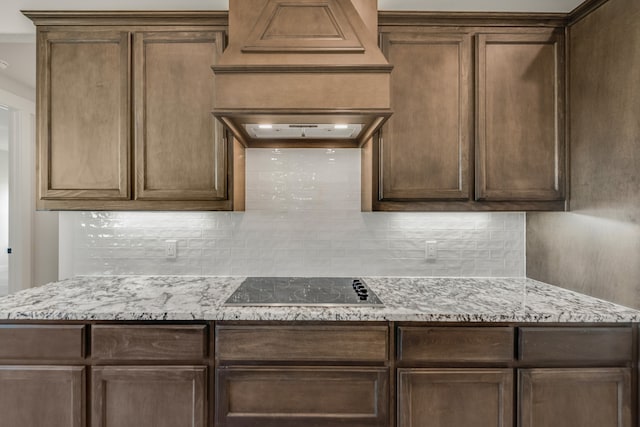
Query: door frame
[21,189]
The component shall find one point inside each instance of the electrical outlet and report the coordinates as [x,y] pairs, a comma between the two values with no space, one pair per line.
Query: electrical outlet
[431,250]
[171,249]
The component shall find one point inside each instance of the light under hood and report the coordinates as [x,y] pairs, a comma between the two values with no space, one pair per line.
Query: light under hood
[302,73]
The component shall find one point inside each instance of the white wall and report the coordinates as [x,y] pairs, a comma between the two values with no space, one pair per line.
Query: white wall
[4,219]
[303,218]
[17,88]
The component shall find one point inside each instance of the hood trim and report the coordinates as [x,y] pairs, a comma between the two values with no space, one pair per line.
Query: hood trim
[284,69]
[235,119]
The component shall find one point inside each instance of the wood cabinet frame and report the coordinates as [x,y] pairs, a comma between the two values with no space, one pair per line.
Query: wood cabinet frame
[485,189]
[128,29]
[143,190]
[460,43]
[411,348]
[46,41]
[433,25]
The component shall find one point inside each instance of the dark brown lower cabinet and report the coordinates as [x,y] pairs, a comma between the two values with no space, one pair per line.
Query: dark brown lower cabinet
[295,397]
[37,396]
[138,396]
[588,397]
[455,397]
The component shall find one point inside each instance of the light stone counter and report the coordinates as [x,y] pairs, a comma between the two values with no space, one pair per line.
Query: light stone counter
[405,299]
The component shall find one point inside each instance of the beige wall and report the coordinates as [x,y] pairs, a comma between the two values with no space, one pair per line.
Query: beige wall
[595,248]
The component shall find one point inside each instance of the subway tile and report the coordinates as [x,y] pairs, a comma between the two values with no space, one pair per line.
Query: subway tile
[303,216]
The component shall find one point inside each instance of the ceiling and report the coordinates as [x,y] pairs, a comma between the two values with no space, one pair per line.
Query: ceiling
[21,56]
[17,38]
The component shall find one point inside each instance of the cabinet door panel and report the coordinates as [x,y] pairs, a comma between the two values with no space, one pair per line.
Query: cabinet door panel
[83,115]
[310,397]
[424,152]
[36,396]
[149,396]
[520,140]
[455,397]
[180,147]
[575,397]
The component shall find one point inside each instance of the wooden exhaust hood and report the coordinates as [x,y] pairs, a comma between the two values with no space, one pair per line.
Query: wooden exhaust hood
[302,73]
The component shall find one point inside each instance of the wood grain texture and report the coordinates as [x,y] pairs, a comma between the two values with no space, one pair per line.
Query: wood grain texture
[468,206]
[593,250]
[42,341]
[114,18]
[425,146]
[302,343]
[573,345]
[36,396]
[291,397]
[304,26]
[83,115]
[583,10]
[455,397]
[440,20]
[135,205]
[520,116]
[575,397]
[153,342]
[149,396]
[181,151]
[459,344]
[237,174]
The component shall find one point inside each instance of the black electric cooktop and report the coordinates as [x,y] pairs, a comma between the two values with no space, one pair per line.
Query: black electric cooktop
[303,291]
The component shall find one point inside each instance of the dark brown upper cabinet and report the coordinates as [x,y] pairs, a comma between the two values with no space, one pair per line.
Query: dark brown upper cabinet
[180,147]
[83,115]
[124,118]
[478,121]
[520,117]
[425,146]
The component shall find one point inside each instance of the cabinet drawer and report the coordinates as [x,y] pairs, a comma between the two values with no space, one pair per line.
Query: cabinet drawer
[302,343]
[599,345]
[126,342]
[283,397]
[438,344]
[42,341]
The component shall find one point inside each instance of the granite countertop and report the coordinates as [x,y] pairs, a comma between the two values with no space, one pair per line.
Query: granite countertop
[405,299]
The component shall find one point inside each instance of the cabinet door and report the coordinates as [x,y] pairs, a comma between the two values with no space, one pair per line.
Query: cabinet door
[36,396]
[149,396]
[455,397]
[295,397]
[180,147]
[424,147]
[520,122]
[83,115]
[575,397]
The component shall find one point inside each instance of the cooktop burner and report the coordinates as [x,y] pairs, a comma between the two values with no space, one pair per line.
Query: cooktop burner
[303,291]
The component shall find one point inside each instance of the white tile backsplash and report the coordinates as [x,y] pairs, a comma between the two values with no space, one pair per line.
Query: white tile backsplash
[303,218]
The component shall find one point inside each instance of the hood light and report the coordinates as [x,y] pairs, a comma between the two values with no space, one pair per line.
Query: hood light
[303,130]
